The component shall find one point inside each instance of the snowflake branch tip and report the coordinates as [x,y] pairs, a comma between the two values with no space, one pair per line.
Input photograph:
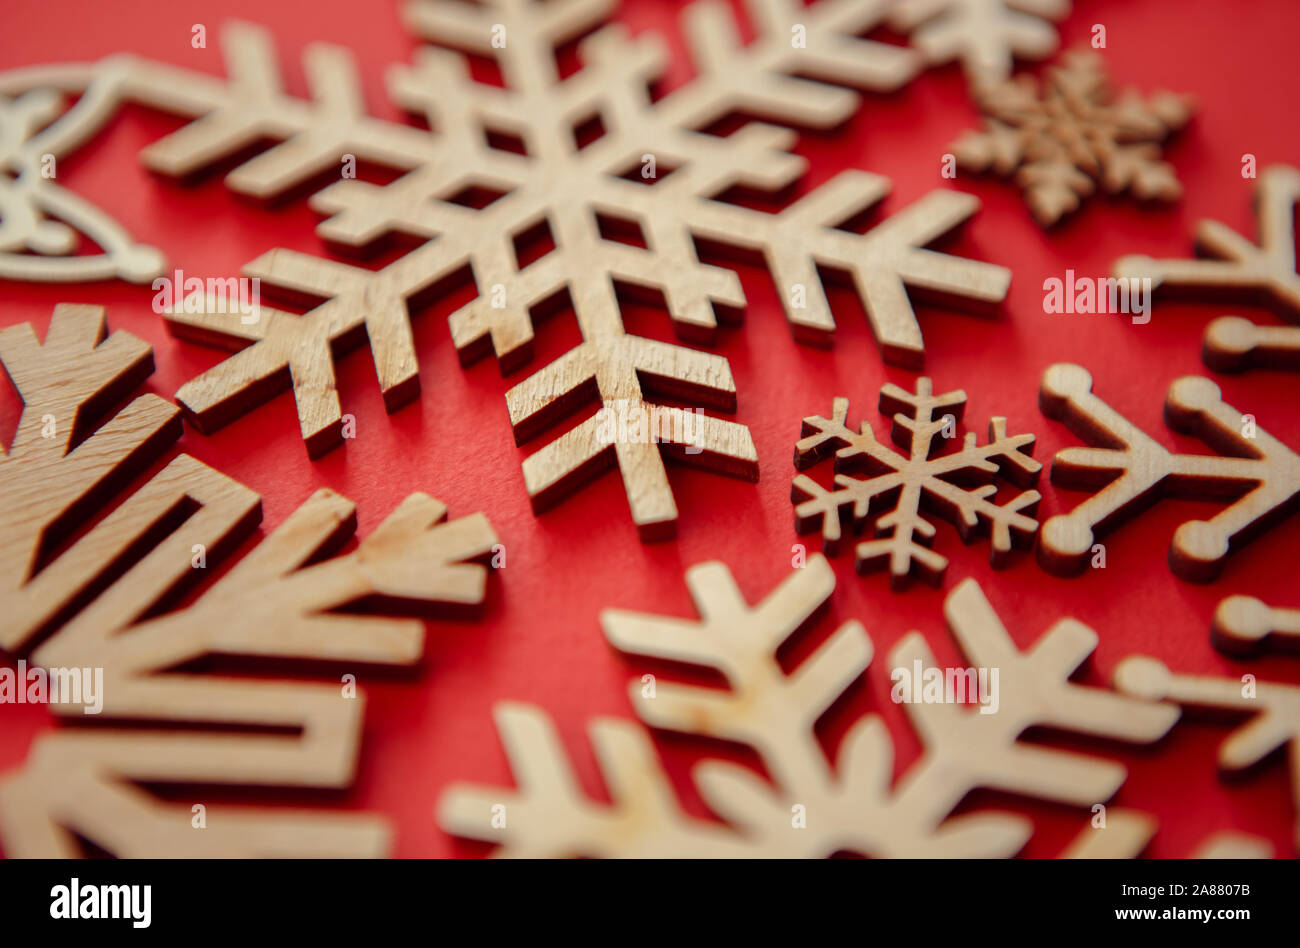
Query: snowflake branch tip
[1128,471]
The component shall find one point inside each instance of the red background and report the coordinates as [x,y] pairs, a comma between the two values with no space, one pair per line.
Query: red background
[539,640]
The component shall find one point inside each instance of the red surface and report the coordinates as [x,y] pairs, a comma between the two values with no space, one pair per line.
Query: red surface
[539,640]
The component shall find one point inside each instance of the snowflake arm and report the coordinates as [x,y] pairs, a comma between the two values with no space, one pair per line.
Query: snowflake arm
[1130,470]
[548,816]
[1243,625]
[298,351]
[1238,269]
[252,106]
[102,600]
[884,263]
[760,79]
[850,805]
[36,213]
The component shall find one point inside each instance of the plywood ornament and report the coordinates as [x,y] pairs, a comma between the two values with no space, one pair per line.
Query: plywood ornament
[102,599]
[1264,273]
[1272,709]
[895,488]
[570,191]
[985,36]
[1129,470]
[850,804]
[1064,137]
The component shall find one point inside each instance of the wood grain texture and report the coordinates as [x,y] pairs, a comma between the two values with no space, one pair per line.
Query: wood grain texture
[1236,269]
[278,602]
[852,805]
[1064,137]
[897,487]
[59,468]
[1128,470]
[102,598]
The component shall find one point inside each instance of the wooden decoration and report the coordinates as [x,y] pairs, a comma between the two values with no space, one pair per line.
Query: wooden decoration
[1063,138]
[1274,710]
[568,190]
[1261,472]
[1264,272]
[985,36]
[886,264]
[903,484]
[851,805]
[1233,343]
[104,594]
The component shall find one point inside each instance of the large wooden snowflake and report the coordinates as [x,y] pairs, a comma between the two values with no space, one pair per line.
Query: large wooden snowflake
[566,188]
[811,806]
[40,219]
[103,599]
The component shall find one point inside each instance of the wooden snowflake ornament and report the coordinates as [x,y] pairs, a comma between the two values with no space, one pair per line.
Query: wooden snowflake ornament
[895,488]
[850,804]
[568,190]
[102,600]
[1239,270]
[1063,138]
[1129,470]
